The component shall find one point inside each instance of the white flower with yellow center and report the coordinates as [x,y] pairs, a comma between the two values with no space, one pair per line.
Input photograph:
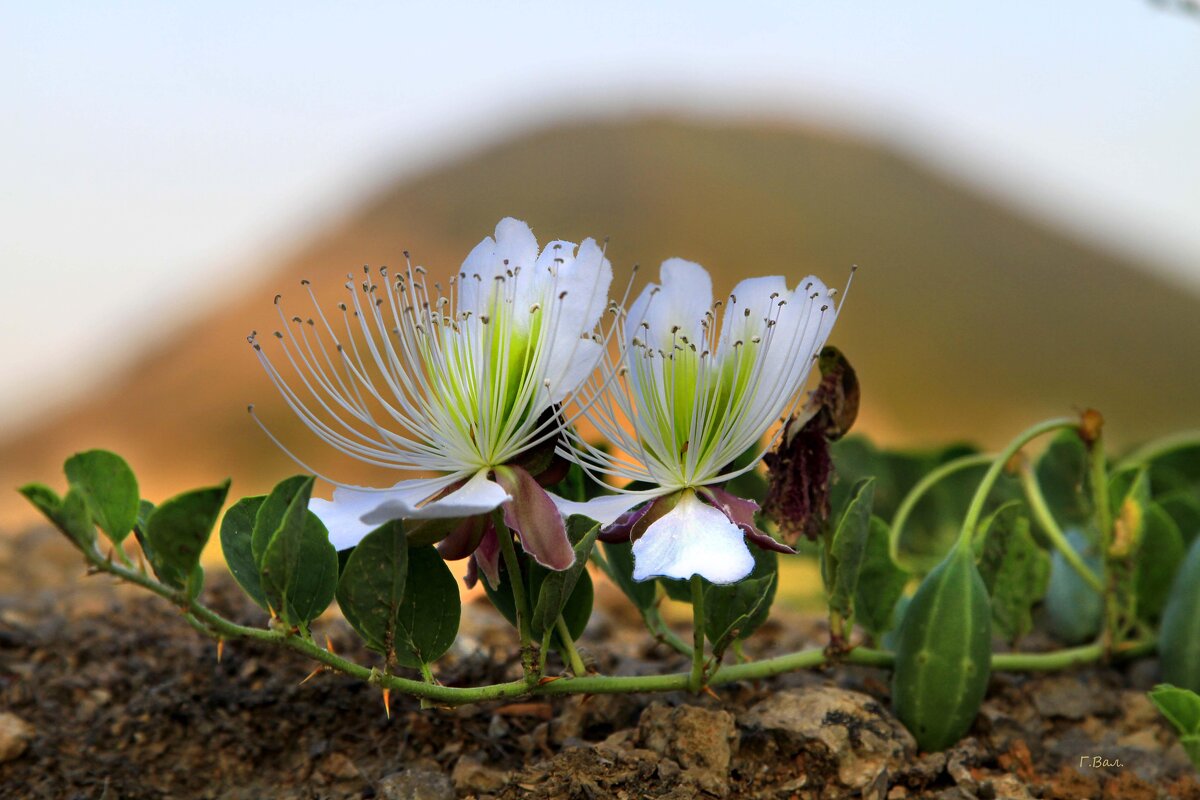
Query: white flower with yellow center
[463,385]
[688,398]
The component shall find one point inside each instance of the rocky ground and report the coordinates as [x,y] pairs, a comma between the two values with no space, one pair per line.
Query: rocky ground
[106,693]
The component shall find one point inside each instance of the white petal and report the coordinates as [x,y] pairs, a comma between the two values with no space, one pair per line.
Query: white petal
[570,365]
[404,501]
[693,539]
[605,509]
[343,515]
[759,296]
[681,301]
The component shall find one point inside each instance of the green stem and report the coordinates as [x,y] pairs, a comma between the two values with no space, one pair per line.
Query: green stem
[662,631]
[516,580]
[1161,447]
[427,674]
[697,677]
[214,625]
[1041,512]
[564,635]
[918,491]
[975,510]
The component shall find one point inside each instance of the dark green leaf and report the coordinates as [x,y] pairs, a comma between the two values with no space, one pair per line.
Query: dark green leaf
[1074,610]
[1014,569]
[1062,475]
[110,489]
[943,653]
[880,582]
[619,558]
[428,618]
[575,613]
[843,562]
[1159,556]
[371,587]
[70,514]
[1184,508]
[270,513]
[299,567]
[236,531]
[734,611]
[178,530]
[557,586]
[1179,634]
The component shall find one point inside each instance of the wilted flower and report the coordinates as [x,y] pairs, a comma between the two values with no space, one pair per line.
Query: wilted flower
[465,384]
[695,396]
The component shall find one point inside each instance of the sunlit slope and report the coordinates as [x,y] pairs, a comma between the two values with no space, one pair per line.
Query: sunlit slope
[966,319]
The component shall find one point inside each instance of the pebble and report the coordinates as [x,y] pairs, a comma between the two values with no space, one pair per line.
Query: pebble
[15,734]
[858,733]
[416,783]
[471,775]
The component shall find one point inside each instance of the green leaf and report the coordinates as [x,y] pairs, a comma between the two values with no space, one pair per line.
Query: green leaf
[734,611]
[178,530]
[1184,508]
[1062,474]
[237,529]
[575,613]
[1129,497]
[70,514]
[299,567]
[1181,707]
[1158,559]
[843,562]
[1014,569]
[619,557]
[1179,633]
[943,653]
[557,586]
[371,588]
[880,582]
[110,489]
[271,512]
[428,618]
[1074,610]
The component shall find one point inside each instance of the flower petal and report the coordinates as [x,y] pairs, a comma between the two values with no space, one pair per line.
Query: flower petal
[694,539]
[477,496]
[605,509]
[741,513]
[463,538]
[487,558]
[677,306]
[342,515]
[532,514]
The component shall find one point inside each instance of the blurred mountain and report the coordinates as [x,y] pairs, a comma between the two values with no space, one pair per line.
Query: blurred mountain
[966,320]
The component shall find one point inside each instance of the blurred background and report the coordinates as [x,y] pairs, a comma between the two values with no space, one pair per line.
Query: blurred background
[1019,184]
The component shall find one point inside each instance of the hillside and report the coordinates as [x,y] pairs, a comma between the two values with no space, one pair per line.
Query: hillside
[966,319]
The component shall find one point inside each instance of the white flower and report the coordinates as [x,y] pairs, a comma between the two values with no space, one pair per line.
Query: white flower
[462,384]
[690,398]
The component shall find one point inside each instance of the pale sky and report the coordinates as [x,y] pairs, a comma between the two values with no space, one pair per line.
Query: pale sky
[152,151]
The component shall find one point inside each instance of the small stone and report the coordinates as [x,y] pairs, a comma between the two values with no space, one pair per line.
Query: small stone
[700,740]
[15,734]
[471,775]
[1072,697]
[339,767]
[859,735]
[416,783]
[1010,787]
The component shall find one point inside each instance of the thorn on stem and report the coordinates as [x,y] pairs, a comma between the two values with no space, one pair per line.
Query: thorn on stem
[311,675]
[542,681]
[220,649]
[387,702]
[708,690]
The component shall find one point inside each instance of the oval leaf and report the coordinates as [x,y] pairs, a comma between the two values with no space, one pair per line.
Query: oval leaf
[270,513]
[880,582]
[557,586]
[110,489]
[1179,635]
[300,566]
[371,588]
[237,529]
[943,653]
[427,620]
[178,530]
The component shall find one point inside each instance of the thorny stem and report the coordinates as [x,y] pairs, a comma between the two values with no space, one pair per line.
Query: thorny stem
[218,627]
[516,580]
[696,683]
[1041,512]
[564,635]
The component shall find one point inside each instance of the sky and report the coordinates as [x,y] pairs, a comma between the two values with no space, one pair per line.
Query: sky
[152,153]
